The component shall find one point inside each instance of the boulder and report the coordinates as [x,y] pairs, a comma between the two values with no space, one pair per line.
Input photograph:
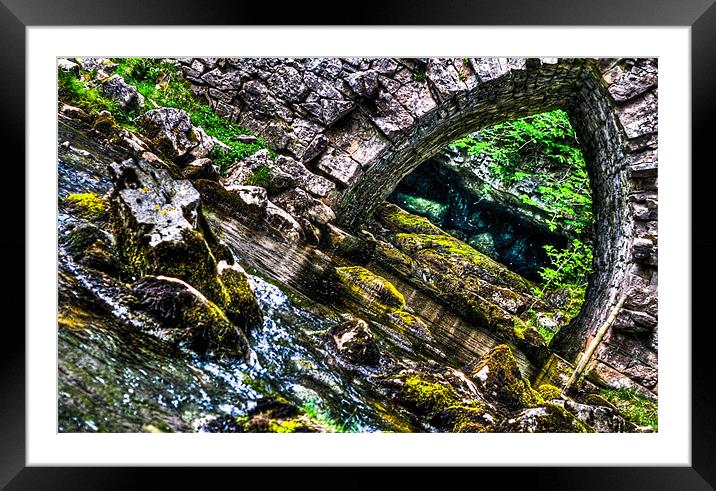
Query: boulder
[202,168]
[171,132]
[500,381]
[125,95]
[300,204]
[90,246]
[282,223]
[603,419]
[355,342]
[243,307]
[160,230]
[186,316]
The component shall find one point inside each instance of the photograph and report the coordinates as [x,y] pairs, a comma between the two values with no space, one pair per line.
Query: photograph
[357,245]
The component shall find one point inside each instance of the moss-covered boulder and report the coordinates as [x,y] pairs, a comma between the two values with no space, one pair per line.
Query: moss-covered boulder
[549,392]
[242,307]
[354,341]
[366,287]
[396,219]
[501,382]
[443,400]
[160,230]
[184,315]
[89,206]
[90,246]
[548,418]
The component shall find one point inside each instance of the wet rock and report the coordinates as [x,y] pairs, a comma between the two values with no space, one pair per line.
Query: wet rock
[90,246]
[171,132]
[187,316]
[444,400]
[300,204]
[127,96]
[160,230]
[282,223]
[243,307]
[202,168]
[367,287]
[500,381]
[549,418]
[355,342]
[347,245]
[246,203]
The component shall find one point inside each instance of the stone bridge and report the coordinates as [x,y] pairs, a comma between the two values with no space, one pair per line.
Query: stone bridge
[366,123]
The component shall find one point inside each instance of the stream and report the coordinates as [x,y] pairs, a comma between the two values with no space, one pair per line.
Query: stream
[115,375]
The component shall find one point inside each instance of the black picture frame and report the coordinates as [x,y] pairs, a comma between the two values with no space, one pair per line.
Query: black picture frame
[700,15]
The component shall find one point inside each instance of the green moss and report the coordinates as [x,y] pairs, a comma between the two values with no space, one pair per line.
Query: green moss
[502,381]
[213,331]
[364,285]
[398,219]
[462,259]
[72,90]
[468,419]
[559,420]
[406,322]
[87,205]
[425,394]
[549,392]
[635,407]
[242,308]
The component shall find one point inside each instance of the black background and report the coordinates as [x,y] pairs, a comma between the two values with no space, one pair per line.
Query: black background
[16,14]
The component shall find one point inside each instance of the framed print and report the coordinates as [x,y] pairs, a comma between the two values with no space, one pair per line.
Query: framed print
[361,245]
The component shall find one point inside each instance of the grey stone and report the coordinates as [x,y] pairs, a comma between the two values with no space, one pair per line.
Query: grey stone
[122,93]
[282,223]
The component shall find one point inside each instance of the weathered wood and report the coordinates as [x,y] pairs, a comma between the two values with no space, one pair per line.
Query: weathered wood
[584,360]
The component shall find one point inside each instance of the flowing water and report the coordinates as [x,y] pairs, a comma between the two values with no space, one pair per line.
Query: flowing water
[115,375]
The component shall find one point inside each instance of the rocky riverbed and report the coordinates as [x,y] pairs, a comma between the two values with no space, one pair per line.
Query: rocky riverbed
[195,296]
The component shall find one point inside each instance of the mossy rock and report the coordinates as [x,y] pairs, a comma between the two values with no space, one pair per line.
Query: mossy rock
[548,418]
[242,307]
[105,123]
[92,247]
[501,381]
[462,259]
[405,322]
[397,219]
[185,315]
[369,288]
[425,393]
[549,392]
[89,206]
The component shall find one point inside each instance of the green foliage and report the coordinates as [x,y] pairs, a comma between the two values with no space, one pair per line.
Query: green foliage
[634,406]
[313,411]
[74,91]
[569,268]
[161,85]
[419,75]
[261,177]
[534,146]
[544,148]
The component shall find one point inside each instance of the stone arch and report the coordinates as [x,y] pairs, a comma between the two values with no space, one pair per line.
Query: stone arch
[365,124]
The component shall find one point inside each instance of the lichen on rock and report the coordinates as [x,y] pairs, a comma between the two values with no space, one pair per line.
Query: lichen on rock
[367,287]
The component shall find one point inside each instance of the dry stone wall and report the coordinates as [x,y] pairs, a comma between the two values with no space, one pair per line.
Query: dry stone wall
[363,124]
